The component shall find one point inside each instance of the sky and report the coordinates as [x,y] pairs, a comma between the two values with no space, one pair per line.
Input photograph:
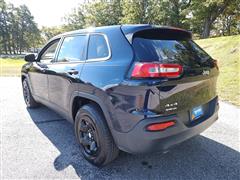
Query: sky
[48,12]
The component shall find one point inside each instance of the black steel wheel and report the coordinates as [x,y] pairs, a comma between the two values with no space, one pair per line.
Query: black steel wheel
[88,137]
[94,137]
[30,102]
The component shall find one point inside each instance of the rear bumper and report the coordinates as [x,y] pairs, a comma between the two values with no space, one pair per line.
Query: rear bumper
[138,140]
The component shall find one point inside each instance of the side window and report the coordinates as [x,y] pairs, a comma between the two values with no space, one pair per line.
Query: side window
[72,49]
[49,53]
[97,47]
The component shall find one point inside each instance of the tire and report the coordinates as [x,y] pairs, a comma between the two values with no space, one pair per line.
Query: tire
[27,95]
[94,137]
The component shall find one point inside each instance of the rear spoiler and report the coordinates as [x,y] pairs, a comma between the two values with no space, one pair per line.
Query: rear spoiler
[155,32]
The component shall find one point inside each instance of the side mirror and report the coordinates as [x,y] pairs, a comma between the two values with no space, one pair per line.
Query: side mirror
[30,58]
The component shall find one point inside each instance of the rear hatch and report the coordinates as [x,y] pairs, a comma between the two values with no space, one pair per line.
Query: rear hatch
[194,82]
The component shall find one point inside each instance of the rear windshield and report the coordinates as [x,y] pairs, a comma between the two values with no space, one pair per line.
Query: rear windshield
[184,52]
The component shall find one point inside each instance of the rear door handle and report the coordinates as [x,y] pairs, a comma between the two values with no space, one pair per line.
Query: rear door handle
[72,72]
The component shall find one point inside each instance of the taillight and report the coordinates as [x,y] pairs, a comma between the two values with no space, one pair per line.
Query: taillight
[160,126]
[155,70]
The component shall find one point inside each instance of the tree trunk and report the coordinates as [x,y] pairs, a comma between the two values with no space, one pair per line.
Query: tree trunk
[4,40]
[214,13]
[206,28]
[13,47]
[9,48]
[229,23]
[5,48]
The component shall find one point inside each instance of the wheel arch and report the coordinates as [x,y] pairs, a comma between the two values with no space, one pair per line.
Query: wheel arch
[80,98]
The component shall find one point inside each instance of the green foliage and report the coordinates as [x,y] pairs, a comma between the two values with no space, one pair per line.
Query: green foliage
[134,12]
[95,13]
[49,32]
[206,12]
[203,18]
[18,31]
[165,12]
[227,23]
[75,20]
[103,13]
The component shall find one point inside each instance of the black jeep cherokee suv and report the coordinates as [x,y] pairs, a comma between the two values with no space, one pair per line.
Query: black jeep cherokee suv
[137,88]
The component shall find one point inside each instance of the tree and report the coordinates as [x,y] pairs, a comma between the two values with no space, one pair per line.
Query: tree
[94,13]
[4,26]
[198,16]
[101,13]
[18,31]
[205,13]
[76,19]
[49,32]
[176,12]
[160,12]
[229,21]
[134,12]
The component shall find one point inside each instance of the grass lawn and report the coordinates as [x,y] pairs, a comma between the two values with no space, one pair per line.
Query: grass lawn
[11,67]
[227,51]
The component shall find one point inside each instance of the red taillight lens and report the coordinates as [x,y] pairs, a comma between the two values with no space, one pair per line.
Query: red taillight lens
[153,70]
[142,70]
[160,126]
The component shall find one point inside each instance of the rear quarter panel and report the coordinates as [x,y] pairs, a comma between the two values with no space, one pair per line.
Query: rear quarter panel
[100,77]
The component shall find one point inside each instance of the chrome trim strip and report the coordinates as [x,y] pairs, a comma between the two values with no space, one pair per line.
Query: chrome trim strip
[87,60]
[109,49]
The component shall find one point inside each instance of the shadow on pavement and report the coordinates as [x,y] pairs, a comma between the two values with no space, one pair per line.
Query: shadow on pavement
[197,158]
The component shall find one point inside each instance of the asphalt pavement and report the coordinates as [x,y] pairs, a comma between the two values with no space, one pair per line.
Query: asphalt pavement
[38,143]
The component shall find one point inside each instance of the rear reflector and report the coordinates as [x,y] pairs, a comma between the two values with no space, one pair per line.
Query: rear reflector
[160,126]
[155,70]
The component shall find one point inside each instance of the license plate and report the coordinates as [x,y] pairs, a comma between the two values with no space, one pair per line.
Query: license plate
[197,112]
